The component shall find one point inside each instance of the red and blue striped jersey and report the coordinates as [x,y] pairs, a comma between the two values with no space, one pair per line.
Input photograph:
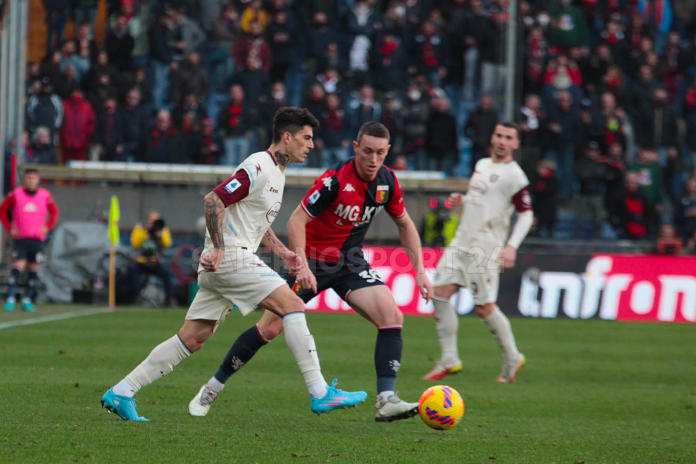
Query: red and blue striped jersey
[342,206]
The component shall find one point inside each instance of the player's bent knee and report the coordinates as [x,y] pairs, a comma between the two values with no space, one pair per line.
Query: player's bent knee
[271,326]
[485,310]
[283,301]
[396,318]
[445,291]
[194,334]
[292,305]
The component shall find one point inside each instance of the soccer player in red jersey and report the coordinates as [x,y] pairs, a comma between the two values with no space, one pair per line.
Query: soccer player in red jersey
[326,231]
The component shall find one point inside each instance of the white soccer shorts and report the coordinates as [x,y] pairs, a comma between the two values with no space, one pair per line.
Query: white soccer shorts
[243,280]
[480,274]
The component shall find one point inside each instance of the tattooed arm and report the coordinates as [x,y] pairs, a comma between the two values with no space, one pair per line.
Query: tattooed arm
[290,259]
[214,215]
[271,241]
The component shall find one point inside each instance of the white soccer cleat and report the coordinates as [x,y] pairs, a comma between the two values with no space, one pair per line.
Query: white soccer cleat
[394,409]
[510,370]
[200,404]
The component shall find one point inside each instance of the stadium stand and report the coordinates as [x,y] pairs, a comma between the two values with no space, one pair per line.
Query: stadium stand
[171,82]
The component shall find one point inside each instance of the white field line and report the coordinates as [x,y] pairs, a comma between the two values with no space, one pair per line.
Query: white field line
[55,317]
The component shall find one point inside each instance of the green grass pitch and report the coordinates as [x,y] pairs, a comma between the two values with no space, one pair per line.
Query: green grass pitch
[592,392]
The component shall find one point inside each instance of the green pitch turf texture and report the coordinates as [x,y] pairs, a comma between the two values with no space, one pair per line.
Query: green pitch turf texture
[592,392]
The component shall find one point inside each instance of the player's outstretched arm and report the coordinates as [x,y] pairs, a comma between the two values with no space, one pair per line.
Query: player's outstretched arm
[214,216]
[410,240]
[297,235]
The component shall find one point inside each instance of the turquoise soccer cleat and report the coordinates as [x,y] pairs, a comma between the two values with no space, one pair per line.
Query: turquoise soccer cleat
[27,306]
[9,305]
[335,399]
[122,406]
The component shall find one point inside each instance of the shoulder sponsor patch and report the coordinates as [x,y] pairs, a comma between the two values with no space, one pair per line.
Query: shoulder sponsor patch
[232,186]
[313,197]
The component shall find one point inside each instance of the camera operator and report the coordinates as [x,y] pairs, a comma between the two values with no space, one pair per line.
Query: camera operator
[148,244]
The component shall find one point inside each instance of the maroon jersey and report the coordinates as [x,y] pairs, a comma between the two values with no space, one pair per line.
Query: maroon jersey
[343,206]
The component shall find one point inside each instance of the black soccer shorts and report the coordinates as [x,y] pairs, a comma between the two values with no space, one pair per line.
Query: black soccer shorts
[30,249]
[343,277]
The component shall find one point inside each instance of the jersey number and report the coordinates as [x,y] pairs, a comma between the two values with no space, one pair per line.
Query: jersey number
[370,276]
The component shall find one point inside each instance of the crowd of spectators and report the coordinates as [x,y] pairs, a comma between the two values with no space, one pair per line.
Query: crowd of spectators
[608,94]
[608,121]
[199,81]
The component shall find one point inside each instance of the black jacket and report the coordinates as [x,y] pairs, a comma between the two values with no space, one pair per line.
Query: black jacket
[109,134]
[120,50]
[166,147]
[544,192]
[480,127]
[387,66]
[441,135]
[686,224]
[134,124]
[284,52]
[592,175]
[628,214]
[234,120]
[44,154]
[159,44]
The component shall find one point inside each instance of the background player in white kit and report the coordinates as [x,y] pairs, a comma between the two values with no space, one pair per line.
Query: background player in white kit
[239,213]
[478,250]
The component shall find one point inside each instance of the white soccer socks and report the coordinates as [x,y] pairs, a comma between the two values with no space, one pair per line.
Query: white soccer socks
[301,343]
[499,325]
[159,363]
[447,323]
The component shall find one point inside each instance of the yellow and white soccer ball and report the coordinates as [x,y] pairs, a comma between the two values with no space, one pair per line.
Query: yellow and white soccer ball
[441,407]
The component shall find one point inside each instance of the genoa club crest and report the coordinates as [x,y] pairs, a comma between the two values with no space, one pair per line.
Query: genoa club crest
[382,193]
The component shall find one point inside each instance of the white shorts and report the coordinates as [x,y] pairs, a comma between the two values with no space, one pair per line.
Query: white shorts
[476,272]
[245,281]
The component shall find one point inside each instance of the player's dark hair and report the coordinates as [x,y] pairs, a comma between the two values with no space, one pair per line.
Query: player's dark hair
[31,171]
[373,129]
[291,119]
[510,125]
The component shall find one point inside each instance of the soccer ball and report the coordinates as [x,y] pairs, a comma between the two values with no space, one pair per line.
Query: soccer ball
[441,407]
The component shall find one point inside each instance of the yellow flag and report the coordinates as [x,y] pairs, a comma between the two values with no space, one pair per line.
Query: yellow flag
[114,217]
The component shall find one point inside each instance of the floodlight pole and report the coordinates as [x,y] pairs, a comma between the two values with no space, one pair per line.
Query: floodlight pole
[510,61]
[22,7]
[4,100]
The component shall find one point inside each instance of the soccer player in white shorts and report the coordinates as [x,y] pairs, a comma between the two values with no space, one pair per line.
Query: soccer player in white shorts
[239,213]
[479,249]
